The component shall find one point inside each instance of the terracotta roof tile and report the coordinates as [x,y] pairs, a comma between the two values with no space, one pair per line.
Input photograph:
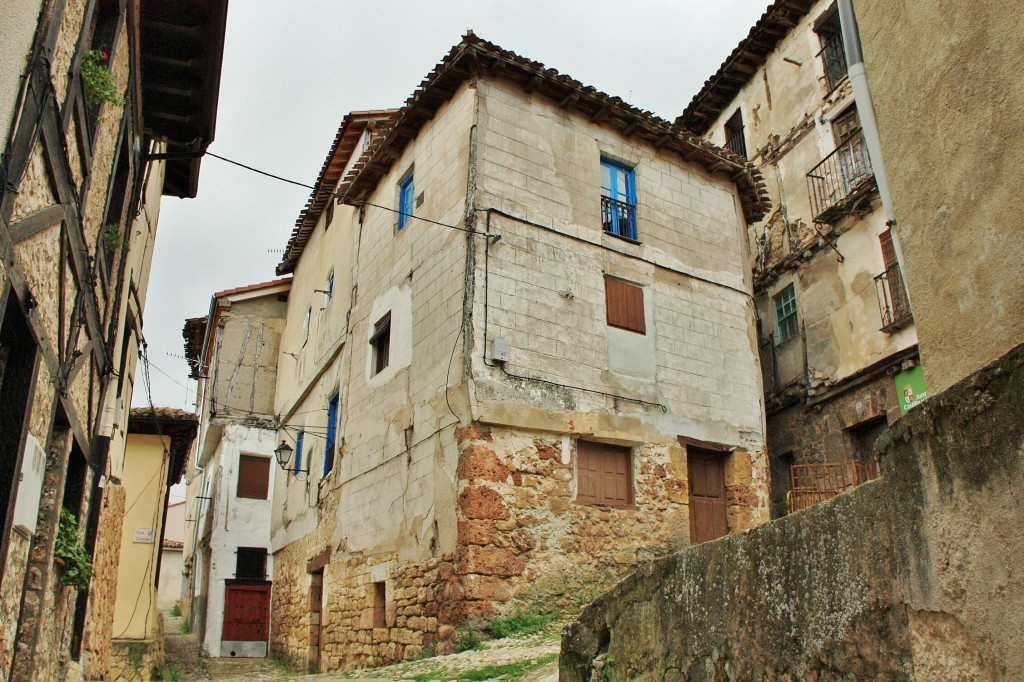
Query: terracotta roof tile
[742,63]
[474,56]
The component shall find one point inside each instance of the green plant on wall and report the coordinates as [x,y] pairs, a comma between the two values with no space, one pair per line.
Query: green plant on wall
[77,564]
[98,82]
[111,234]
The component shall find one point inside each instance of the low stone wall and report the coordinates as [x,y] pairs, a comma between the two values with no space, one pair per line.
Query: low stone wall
[140,659]
[912,577]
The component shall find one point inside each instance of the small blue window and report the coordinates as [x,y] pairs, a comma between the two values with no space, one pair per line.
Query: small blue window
[785,314]
[332,425]
[618,199]
[298,453]
[405,201]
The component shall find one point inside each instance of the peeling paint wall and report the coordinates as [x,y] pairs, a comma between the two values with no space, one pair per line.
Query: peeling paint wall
[236,522]
[814,380]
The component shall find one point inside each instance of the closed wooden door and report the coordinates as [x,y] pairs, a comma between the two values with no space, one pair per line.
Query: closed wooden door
[707,495]
[246,613]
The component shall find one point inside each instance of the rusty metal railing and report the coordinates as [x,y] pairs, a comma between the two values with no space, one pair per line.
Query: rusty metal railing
[841,176]
[820,481]
[893,304]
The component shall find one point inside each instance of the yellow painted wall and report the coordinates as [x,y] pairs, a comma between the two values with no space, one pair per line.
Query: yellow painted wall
[145,480]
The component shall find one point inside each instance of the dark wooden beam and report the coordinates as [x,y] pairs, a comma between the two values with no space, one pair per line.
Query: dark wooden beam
[36,223]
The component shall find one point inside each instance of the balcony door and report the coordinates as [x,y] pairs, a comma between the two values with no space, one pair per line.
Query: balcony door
[854,163]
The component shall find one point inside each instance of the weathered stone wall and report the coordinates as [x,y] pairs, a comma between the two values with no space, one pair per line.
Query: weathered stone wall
[907,578]
[522,537]
[96,641]
[141,659]
[418,608]
[951,64]
[802,433]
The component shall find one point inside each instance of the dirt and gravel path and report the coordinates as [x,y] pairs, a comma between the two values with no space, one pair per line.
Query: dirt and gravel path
[532,658]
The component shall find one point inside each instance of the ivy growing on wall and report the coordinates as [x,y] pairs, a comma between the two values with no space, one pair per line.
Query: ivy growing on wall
[77,568]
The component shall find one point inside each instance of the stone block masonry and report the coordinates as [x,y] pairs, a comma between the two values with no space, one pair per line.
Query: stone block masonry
[522,542]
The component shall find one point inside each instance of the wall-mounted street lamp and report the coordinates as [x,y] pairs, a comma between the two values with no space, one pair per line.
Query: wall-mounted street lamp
[283,453]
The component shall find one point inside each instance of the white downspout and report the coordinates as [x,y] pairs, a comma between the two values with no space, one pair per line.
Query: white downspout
[869,125]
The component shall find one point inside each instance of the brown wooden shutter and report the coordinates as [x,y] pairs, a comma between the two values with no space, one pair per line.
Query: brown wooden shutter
[253,477]
[888,250]
[625,305]
[604,474]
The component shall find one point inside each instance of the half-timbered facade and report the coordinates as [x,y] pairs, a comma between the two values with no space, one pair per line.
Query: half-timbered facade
[90,146]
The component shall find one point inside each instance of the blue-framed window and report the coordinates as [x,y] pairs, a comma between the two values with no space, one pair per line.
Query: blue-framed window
[618,199]
[786,325]
[332,426]
[405,201]
[298,452]
[329,286]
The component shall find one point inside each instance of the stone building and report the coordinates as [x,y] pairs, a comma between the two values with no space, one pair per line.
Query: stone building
[104,108]
[519,358]
[837,339]
[158,444]
[233,353]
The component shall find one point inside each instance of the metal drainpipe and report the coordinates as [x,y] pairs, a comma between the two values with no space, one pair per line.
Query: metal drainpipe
[869,126]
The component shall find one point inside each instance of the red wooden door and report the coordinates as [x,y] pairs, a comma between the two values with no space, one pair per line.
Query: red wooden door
[707,495]
[246,613]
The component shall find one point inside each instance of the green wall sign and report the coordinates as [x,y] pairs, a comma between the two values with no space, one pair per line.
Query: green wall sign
[910,388]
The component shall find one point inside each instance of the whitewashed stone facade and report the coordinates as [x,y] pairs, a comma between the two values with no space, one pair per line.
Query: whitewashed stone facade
[455,485]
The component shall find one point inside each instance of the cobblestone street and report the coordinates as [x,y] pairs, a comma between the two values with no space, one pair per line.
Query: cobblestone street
[530,659]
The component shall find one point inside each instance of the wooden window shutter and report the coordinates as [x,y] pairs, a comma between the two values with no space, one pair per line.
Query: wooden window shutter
[888,250]
[253,477]
[624,303]
[604,474]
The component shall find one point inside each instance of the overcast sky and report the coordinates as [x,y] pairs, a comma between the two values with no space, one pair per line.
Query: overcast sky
[293,69]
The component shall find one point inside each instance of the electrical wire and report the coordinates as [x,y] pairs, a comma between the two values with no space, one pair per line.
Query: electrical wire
[336,195]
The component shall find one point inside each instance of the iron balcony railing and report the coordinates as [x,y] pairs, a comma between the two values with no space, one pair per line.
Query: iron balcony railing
[618,218]
[820,481]
[833,58]
[893,303]
[841,177]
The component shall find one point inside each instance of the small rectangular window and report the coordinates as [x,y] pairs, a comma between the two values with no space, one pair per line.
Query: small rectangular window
[832,54]
[332,426]
[734,134]
[785,314]
[298,452]
[618,199]
[329,286]
[405,201]
[306,322]
[380,342]
[379,605]
[605,474]
[251,563]
[253,477]
[624,303]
